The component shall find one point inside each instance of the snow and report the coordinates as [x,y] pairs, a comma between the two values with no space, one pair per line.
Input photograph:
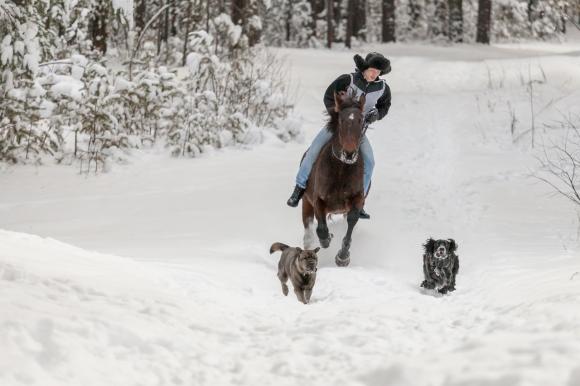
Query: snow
[170,281]
[193,61]
[64,85]
[6,51]
[79,64]
[32,57]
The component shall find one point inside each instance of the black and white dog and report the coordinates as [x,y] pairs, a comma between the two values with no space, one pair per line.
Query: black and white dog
[440,265]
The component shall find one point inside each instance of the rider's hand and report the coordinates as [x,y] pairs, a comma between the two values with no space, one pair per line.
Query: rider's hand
[372,116]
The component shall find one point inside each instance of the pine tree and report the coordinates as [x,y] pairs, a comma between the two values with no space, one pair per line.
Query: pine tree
[329,23]
[350,16]
[456,21]
[388,21]
[483,21]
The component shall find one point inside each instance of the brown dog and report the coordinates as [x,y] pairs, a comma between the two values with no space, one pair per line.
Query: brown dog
[300,267]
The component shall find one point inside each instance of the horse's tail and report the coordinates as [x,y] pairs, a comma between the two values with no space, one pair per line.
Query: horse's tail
[278,247]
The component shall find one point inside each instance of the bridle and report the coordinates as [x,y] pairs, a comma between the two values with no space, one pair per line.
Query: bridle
[342,157]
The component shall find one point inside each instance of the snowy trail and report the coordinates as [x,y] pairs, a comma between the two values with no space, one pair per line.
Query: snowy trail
[202,304]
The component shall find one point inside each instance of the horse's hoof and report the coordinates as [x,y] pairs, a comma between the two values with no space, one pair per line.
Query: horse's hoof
[342,259]
[325,243]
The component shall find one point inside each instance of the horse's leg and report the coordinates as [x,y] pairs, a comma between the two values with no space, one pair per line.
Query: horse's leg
[308,220]
[324,236]
[343,256]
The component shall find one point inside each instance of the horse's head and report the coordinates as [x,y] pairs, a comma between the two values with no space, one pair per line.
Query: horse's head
[349,124]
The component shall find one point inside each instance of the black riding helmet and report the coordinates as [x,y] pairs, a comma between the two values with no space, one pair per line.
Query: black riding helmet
[374,60]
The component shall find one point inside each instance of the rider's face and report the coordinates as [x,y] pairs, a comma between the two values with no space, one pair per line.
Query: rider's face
[370,74]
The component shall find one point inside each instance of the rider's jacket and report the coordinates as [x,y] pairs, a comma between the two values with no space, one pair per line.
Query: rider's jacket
[378,93]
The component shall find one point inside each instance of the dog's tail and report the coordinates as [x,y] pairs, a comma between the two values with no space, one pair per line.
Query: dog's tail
[278,247]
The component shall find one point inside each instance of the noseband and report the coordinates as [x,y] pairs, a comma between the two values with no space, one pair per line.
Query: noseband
[341,155]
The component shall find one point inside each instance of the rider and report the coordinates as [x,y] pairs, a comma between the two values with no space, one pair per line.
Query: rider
[365,80]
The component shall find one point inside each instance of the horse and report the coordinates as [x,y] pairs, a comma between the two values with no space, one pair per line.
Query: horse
[335,185]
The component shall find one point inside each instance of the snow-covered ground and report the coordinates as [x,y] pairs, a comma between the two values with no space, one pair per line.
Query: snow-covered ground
[195,299]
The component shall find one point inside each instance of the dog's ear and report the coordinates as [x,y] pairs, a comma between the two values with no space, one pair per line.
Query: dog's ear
[452,245]
[429,246]
[316,249]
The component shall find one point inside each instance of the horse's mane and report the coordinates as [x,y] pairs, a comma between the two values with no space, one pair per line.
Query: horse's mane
[347,102]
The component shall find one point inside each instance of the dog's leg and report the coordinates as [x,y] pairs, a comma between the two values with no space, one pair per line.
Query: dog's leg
[451,286]
[283,279]
[307,295]
[428,283]
[324,237]
[342,259]
[300,294]
[308,221]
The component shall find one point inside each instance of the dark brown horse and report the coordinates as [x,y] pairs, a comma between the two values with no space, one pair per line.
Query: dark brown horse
[335,184]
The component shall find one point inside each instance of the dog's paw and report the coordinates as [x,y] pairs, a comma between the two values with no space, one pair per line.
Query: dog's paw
[443,290]
[428,284]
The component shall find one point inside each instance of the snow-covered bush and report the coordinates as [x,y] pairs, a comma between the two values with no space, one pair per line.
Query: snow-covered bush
[227,94]
[230,91]
[99,134]
[22,136]
[288,23]
[560,161]
[525,19]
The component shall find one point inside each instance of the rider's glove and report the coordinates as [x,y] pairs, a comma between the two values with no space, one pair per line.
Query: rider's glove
[372,116]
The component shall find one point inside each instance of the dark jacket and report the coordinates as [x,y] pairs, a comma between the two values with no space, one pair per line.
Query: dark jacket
[342,83]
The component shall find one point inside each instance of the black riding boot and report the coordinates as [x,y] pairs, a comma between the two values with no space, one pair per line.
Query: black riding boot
[295,197]
[364,215]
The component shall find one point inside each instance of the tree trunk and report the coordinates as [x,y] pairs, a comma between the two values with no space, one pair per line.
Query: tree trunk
[288,19]
[98,26]
[531,9]
[360,19]
[563,19]
[456,21]
[140,14]
[166,25]
[329,24]
[207,15]
[239,11]
[350,15]
[483,21]
[338,18]
[187,30]
[49,15]
[388,21]
[242,10]
[316,7]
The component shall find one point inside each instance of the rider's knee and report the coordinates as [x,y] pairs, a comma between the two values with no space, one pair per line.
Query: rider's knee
[369,162]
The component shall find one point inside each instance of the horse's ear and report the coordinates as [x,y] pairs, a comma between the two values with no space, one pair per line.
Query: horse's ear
[362,100]
[337,102]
